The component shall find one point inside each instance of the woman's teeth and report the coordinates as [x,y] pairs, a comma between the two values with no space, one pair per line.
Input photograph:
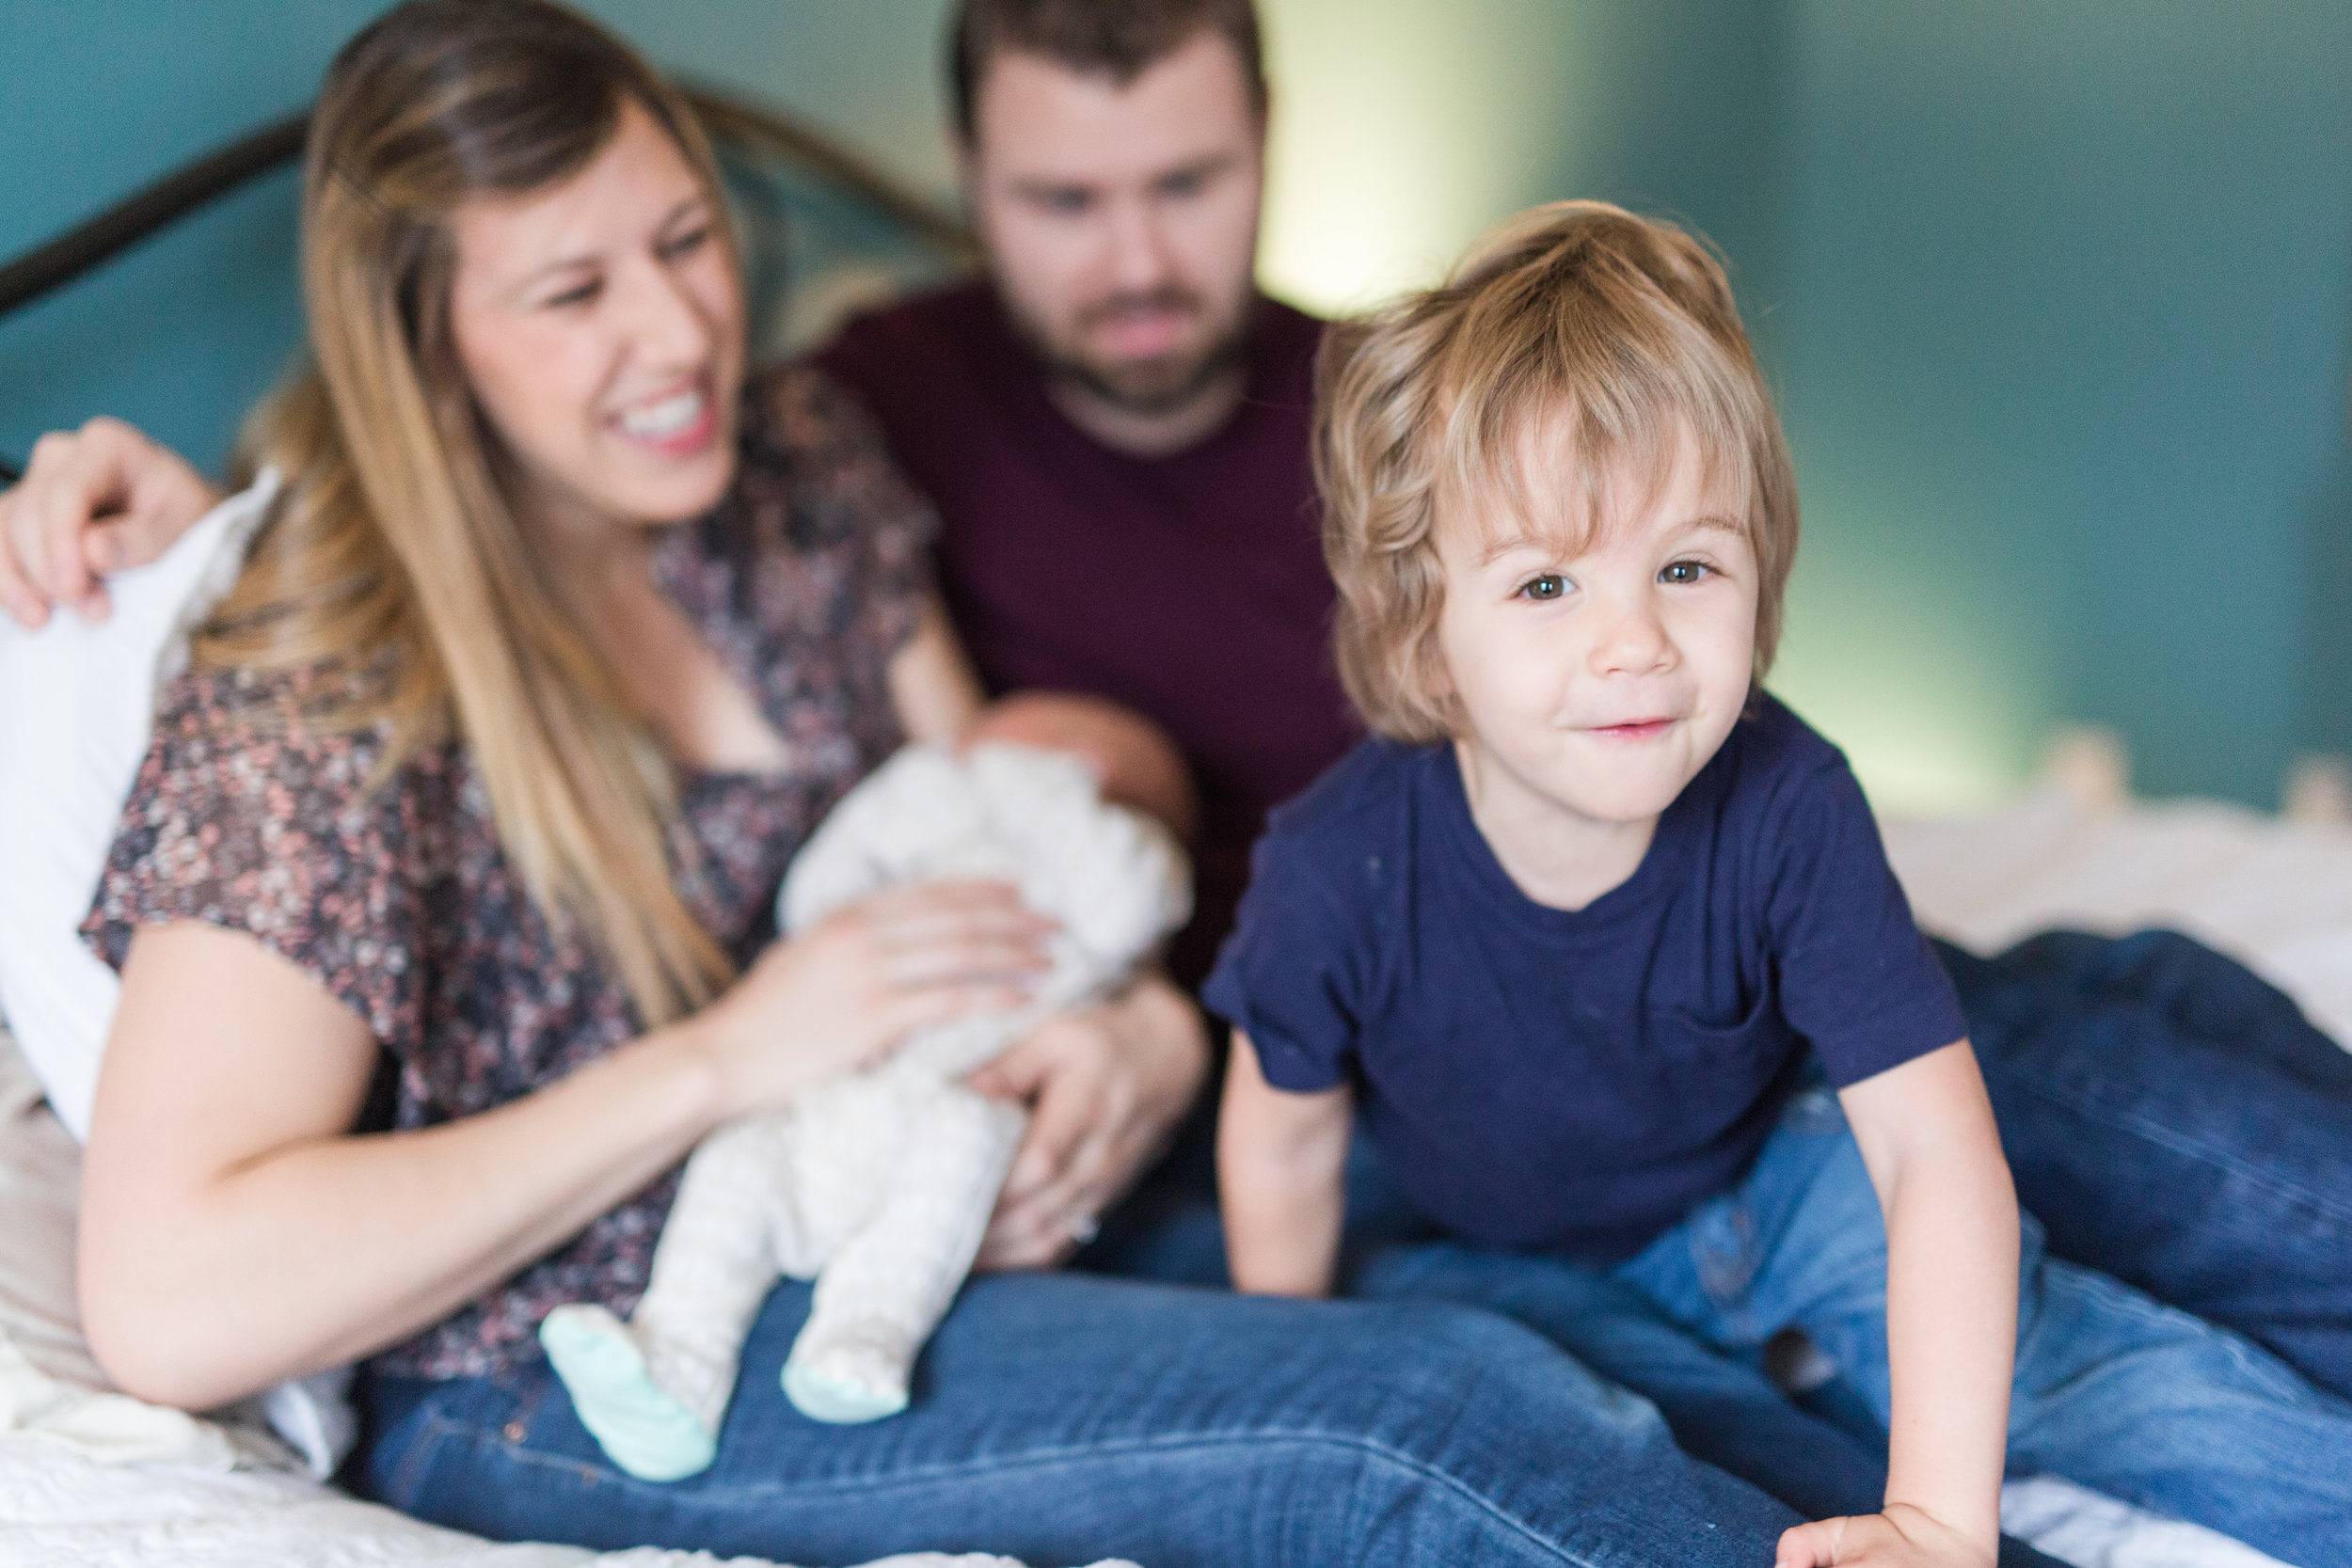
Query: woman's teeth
[658,422]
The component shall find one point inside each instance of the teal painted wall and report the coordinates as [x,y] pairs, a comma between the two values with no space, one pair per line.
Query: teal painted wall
[183,333]
[2065,343]
[1403,129]
[2057,293]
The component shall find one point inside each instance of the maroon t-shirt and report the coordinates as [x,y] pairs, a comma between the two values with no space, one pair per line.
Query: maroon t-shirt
[1190,587]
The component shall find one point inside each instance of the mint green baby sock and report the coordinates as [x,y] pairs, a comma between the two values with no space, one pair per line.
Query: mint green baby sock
[640,1428]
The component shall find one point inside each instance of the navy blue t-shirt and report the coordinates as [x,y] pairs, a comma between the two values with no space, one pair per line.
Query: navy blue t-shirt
[1578,1080]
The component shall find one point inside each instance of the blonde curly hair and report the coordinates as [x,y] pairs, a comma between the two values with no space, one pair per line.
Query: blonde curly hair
[1611,336]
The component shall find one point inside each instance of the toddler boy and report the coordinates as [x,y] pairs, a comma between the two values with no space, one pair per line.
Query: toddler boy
[1579,927]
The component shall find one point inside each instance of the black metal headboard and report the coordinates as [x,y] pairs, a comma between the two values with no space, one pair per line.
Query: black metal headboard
[750,135]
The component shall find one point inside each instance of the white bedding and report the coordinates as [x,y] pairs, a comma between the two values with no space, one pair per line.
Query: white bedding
[2275,894]
[2091,1531]
[61,1509]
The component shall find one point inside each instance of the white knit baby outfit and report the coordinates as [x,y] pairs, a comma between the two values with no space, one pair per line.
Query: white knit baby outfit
[877,1184]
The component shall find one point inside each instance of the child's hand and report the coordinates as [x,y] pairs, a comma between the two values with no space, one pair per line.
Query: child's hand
[1902,1536]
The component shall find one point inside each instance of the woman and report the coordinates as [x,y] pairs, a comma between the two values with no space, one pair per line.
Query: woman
[487,773]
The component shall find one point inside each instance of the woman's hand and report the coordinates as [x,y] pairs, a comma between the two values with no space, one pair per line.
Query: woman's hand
[848,989]
[98,499]
[1105,1087]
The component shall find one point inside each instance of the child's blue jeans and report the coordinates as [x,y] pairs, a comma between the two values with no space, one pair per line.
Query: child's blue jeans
[2113,1391]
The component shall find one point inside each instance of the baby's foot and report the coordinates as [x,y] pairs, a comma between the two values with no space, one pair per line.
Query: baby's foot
[646,1432]
[848,1373]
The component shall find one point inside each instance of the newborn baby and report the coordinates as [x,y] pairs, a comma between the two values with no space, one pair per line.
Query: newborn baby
[879,1185]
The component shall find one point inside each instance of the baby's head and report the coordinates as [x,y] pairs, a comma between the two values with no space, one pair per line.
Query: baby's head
[1134,761]
[1559,509]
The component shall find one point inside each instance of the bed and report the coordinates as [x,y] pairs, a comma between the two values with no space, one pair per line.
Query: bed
[90,1477]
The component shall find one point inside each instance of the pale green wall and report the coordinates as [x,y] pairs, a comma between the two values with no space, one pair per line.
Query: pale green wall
[2057,293]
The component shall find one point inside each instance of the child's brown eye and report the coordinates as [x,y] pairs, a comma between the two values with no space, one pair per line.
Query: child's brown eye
[1684,573]
[1549,586]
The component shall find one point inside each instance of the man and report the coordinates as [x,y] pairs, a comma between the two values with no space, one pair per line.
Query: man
[1113,425]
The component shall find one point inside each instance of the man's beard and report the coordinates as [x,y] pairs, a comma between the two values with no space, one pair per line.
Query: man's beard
[1145,389]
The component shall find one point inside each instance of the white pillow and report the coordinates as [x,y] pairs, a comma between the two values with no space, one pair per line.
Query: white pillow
[77,708]
[77,704]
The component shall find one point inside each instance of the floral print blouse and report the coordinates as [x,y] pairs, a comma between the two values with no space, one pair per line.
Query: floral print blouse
[398,898]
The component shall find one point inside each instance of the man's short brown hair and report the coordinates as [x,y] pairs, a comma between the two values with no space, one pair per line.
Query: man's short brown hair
[1118,38]
[1576,328]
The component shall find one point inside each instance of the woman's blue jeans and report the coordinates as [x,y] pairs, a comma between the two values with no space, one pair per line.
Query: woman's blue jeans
[1060,1418]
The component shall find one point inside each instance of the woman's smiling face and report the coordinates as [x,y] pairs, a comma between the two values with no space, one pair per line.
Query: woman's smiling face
[601,325]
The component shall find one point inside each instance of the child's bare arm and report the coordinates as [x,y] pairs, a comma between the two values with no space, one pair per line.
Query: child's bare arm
[1281,1160]
[1927,1134]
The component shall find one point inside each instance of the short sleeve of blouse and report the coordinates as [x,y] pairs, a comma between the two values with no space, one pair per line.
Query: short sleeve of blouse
[1290,976]
[244,819]
[1857,980]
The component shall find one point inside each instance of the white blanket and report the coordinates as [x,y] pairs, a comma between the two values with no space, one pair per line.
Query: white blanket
[2275,894]
[59,1508]
[77,702]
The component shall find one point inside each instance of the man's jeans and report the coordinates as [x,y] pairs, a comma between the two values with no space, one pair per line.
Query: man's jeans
[1061,1418]
[2136,1400]
[2176,1123]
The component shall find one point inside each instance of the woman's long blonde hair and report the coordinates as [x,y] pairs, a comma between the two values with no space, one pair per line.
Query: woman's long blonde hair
[395,561]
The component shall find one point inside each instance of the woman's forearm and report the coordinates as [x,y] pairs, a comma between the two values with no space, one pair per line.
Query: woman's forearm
[331,1248]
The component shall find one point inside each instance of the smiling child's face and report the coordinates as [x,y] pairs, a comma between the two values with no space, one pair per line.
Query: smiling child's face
[1593,680]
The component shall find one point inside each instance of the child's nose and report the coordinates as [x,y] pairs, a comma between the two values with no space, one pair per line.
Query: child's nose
[1634,641]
